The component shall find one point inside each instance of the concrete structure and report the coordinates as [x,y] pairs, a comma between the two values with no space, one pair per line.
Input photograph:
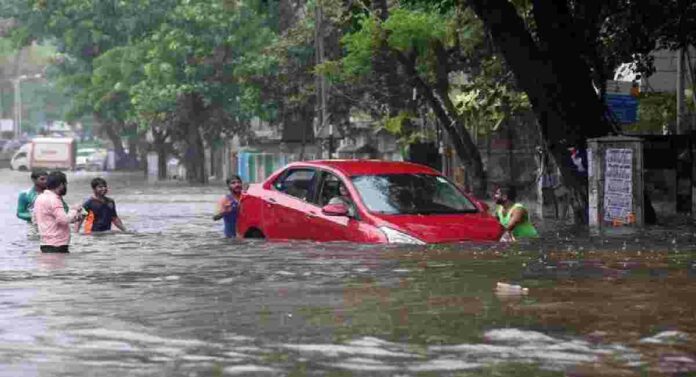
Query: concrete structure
[510,157]
[266,148]
[365,140]
[615,180]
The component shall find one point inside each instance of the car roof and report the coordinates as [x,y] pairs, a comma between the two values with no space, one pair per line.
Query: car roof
[369,167]
[53,139]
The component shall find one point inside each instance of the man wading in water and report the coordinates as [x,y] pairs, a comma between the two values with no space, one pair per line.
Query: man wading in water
[228,206]
[99,210]
[51,217]
[512,216]
[25,202]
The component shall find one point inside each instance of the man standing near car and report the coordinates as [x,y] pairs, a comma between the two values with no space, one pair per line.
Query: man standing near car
[513,216]
[228,206]
[25,202]
[52,219]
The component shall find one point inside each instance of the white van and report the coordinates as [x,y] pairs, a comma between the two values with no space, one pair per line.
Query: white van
[46,153]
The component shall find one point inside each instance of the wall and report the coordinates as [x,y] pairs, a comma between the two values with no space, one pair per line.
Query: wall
[509,155]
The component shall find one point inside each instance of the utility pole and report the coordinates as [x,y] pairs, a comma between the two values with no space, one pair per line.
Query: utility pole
[680,92]
[321,80]
[17,84]
[17,108]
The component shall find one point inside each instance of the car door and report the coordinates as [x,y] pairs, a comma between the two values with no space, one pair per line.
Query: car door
[287,206]
[330,228]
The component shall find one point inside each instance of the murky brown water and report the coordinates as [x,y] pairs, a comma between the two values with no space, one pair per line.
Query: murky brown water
[174,298]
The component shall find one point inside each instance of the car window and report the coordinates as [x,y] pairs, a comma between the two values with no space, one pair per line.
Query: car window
[411,194]
[297,183]
[21,154]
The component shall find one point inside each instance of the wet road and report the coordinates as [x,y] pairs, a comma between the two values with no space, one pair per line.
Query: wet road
[174,298]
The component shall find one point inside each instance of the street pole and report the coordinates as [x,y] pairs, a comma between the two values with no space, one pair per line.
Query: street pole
[17,108]
[319,80]
[17,84]
[322,85]
[680,92]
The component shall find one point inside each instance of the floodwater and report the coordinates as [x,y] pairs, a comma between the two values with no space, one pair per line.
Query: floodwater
[174,298]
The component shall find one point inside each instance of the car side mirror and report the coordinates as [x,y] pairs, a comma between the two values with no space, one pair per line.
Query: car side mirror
[338,209]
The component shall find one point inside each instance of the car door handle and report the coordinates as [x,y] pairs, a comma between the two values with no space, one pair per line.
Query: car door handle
[270,202]
[311,214]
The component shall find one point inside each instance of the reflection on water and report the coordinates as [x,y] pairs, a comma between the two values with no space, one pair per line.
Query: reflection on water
[176,298]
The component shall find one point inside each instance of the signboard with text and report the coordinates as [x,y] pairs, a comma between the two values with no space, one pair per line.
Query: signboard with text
[6,125]
[618,184]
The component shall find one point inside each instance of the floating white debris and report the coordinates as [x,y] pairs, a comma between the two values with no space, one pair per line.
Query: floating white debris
[510,289]
[666,337]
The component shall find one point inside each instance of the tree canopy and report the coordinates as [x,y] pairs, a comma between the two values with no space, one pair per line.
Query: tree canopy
[190,71]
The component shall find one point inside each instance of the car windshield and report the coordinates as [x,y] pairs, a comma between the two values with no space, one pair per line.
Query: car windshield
[425,194]
[86,152]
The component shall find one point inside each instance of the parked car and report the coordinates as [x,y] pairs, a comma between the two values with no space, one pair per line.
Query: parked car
[91,159]
[11,146]
[393,202]
[21,159]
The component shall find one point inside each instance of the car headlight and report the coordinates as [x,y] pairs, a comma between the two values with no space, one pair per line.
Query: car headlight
[394,236]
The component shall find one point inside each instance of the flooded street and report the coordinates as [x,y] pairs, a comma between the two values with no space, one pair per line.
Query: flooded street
[174,298]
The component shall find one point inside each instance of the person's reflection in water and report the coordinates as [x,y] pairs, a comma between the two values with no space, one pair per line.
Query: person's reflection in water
[51,261]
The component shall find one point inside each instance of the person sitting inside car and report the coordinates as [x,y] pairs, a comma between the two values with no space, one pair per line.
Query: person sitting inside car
[345,199]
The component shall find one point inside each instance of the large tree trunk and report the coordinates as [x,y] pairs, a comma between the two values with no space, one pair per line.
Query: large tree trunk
[436,95]
[445,111]
[161,149]
[194,157]
[112,132]
[133,152]
[114,136]
[391,88]
[556,79]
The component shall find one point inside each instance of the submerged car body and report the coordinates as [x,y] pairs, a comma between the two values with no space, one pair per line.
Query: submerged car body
[382,202]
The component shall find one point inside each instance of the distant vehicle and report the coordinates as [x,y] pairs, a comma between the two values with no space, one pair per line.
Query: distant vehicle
[91,159]
[46,153]
[11,146]
[20,160]
[393,202]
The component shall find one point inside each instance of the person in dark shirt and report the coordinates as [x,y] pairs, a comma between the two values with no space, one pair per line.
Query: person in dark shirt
[228,206]
[100,210]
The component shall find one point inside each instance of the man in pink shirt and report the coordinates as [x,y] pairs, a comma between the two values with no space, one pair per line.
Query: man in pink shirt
[53,222]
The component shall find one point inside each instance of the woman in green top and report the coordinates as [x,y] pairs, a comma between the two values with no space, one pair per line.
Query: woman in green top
[25,202]
[512,216]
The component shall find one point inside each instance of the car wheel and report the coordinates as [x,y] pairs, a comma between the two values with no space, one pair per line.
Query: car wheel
[22,168]
[254,233]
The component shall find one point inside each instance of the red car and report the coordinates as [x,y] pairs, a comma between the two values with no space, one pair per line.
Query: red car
[379,202]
